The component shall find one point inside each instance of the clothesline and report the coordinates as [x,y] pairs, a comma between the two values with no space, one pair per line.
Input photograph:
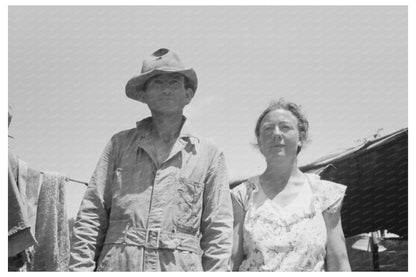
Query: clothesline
[76,181]
[72,180]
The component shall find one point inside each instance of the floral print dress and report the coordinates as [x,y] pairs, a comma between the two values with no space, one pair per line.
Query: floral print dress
[289,238]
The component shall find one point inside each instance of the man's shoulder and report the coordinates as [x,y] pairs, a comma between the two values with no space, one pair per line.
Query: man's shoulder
[124,133]
[127,136]
[204,140]
[207,143]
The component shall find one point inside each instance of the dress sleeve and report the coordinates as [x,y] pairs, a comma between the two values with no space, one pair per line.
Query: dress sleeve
[332,195]
[240,196]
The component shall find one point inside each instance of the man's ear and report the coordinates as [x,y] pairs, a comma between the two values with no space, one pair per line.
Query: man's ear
[189,95]
[142,96]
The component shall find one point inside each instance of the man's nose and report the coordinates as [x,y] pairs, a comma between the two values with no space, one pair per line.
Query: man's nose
[166,89]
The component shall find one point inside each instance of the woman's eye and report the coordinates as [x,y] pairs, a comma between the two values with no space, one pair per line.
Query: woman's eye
[285,128]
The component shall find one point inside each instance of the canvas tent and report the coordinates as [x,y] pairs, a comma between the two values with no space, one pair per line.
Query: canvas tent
[376,175]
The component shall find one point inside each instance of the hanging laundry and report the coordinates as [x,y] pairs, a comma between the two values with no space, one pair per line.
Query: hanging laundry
[29,183]
[52,233]
[19,236]
[38,224]
[19,233]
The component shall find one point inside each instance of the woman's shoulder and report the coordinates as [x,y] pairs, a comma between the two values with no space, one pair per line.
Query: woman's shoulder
[246,185]
[242,192]
[322,186]
[329,193]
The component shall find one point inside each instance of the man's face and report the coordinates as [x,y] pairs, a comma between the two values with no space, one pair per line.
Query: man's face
[167,93]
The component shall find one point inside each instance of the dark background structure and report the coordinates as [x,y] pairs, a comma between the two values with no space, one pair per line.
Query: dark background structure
[376,175]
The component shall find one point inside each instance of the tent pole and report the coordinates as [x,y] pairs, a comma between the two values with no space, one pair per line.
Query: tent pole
[374,252]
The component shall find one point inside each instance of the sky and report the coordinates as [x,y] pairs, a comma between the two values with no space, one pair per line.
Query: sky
[347,66]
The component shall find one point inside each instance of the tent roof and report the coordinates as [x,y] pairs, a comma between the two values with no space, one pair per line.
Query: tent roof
[353,151]
[376,175]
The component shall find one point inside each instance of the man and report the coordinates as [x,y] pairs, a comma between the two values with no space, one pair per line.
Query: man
[158,199]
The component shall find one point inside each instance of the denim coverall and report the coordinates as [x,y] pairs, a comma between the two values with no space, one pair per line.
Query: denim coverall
[137,217]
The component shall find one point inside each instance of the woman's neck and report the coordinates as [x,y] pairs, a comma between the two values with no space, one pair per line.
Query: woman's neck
[279,173]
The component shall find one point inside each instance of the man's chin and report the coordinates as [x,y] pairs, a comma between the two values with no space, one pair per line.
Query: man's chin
[167,110]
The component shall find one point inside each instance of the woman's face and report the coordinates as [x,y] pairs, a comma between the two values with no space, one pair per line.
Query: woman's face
[279,134]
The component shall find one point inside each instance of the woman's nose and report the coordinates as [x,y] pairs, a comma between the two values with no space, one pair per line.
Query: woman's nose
[277,133]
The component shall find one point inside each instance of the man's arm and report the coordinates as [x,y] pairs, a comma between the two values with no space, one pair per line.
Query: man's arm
[217,219]
[92,220]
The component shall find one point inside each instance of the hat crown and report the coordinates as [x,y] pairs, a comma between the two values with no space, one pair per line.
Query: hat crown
[162,59]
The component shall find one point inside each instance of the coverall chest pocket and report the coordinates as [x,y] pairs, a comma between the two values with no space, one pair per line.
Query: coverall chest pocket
[123,180]
[188,205]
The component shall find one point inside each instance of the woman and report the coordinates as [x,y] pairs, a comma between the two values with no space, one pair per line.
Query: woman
[285,220]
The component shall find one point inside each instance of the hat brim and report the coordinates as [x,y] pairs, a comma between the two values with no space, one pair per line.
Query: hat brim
[135,85]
